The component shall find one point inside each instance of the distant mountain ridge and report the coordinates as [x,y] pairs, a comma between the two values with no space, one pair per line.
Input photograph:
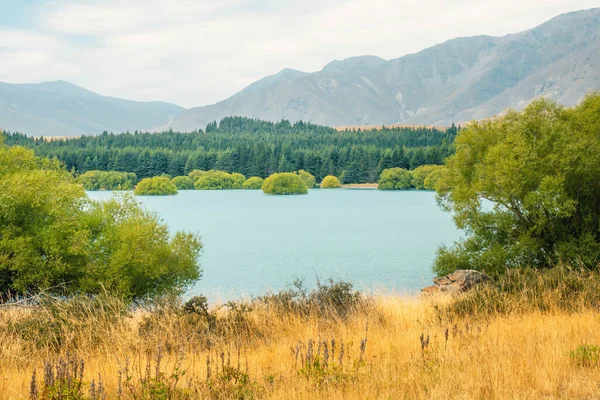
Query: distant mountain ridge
[459,80]
[60,108]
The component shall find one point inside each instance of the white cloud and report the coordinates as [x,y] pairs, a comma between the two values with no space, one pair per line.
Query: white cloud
[198,52]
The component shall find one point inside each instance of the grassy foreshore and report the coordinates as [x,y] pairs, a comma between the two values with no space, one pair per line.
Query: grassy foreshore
[491,343]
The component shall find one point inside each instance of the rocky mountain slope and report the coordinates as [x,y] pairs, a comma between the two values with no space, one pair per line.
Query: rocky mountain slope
[459,80]
[62,109]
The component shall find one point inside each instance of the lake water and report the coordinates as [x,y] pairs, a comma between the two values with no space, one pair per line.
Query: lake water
[254,243]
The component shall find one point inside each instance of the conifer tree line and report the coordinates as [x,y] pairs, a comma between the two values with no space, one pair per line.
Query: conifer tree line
[253,148]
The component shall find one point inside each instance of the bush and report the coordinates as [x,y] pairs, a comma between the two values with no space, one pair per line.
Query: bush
[524,188]
[219,180]
[284,183]
[334,299]
[330,182]
[253,183]
[395,179]
[107,180]
[308,178]
[432,181]
[195,174]
[183,182]
[420,174]
[157,186]
[80,245]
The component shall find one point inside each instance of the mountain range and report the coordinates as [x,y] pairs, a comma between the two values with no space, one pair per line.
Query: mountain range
[459,80]
[62,109]
[456,81]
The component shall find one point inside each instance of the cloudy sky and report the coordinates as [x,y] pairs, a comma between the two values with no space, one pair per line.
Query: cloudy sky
[197,52]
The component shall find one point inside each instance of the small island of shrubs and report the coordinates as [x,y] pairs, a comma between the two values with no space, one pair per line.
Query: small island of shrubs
[157,186]
[253,183]
[425,177]
[284,183]
[183,183]
[330,182]
[219,180]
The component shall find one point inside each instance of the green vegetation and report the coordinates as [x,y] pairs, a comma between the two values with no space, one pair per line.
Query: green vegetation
[252,148]
[196,174]
[330,182]
[395,179]
[284,183]
[183,182]
[53,236]
[253,183]
[423,177]
[107,180]
[219,180]
[421,173]
[157,186]
[308,178]
[525,190]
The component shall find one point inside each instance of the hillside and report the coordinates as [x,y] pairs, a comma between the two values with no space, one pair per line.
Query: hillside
[62,109]
[459,80]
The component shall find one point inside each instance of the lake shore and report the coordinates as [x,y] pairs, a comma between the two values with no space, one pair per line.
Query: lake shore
[393,347]
[360,186]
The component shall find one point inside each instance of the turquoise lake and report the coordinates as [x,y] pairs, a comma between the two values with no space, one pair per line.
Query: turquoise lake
[254,243]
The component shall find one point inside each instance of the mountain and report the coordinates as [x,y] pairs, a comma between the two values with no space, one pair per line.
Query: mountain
[62,109]
[459,80]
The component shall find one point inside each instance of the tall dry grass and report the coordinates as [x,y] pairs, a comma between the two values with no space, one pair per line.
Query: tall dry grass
[393,347]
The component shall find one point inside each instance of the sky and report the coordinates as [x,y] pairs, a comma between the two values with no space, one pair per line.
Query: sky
[198,52]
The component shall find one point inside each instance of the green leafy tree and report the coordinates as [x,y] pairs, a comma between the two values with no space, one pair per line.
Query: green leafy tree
[308,178]
[183,183]
[435,179]
[395,179]
[284,183]
[253,183]
[421,173]
[219,180]
[157,186]
[525,190]
[196,174]
[53,237]
[330,182]
[107,180]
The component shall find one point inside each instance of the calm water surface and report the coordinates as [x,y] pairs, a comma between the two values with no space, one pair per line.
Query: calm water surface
[254,243]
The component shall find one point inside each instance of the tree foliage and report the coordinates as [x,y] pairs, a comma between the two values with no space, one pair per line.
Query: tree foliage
[253,183]
[525,189]
[52,235]
[219,180]
[252,148]
[157,186]
[107,180]
[395,179]
[330,182]
[284,183]
[183,182]
[308,178]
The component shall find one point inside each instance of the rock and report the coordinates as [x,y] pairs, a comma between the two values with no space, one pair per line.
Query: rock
[456,282]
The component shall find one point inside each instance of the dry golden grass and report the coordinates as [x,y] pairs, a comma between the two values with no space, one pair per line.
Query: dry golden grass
[513,356]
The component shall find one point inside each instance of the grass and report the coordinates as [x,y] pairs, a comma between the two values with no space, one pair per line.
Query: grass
[330,343]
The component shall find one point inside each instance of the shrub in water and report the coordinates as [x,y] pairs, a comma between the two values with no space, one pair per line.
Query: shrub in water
[183,182]
[308,178]
[253,183]
[330,182]
[219,180]
[395,179]
[284,183]
[157,186]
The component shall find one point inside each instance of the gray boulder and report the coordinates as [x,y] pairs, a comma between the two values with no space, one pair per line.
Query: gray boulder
[457,282]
